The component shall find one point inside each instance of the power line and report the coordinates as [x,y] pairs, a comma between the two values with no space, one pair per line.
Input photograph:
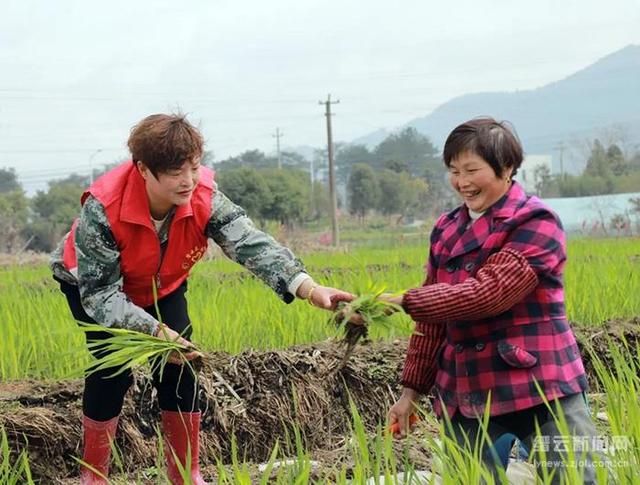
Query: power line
[391,74]
[50,151]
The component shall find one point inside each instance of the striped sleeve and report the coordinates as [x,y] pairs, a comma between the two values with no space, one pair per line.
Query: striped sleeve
[420,365]
[504,279]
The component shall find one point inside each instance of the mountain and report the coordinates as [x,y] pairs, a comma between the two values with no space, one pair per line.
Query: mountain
[602,98]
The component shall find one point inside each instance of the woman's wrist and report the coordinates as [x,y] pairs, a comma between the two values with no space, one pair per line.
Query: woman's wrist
[411,394]
[391,298]
[305,290]
[310,294]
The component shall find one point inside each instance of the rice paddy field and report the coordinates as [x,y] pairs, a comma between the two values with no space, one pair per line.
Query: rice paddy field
[276,407]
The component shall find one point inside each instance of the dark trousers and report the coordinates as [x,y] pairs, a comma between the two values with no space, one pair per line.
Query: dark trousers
[176,387]
[522,425]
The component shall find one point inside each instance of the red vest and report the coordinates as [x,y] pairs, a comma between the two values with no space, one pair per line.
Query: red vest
[123,195]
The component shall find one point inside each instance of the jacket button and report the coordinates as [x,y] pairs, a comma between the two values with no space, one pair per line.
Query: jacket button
[469,266]
[480,346]
[450,268]
[459,348]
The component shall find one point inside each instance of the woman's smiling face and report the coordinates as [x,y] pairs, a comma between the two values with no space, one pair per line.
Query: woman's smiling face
[476,182]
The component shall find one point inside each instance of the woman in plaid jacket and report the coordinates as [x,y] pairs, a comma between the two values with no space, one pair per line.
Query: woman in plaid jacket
[491,330]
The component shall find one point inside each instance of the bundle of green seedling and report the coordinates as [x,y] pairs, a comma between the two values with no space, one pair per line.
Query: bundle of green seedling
[356,317]
[126,349]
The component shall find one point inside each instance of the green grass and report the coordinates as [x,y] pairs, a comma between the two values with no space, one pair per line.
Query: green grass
[14,470]
[602,280]
[373,459]
[38,338]
[232,311]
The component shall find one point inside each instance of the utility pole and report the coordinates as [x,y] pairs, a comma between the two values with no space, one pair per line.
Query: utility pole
[277,136]
[311,174]
[91,165]
[312,199]
[560,147]
[335,236]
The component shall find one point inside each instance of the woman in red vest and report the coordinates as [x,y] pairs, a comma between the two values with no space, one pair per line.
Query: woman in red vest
[144,224]
[490,316]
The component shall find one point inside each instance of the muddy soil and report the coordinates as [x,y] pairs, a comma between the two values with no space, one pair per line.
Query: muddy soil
[256,396]
[618,334]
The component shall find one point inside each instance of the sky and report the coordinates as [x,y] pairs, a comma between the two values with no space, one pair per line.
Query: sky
[75,76]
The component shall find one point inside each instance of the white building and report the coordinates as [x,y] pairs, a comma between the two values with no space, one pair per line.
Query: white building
[526,173]
[595,215]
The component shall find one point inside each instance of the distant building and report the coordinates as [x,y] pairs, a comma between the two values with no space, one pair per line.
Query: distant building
[526,173]
[321,175]
[608,215]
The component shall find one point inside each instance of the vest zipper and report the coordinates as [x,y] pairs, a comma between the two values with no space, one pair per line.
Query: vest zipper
[163,249]
[157,276]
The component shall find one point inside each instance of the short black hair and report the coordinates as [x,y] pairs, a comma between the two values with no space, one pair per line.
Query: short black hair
[495,141]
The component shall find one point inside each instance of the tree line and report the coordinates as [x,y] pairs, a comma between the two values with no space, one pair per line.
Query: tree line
[401,177]
[607,171]
[400,167]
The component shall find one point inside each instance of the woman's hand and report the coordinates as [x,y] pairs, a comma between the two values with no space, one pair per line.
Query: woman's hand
[388,297]
[328,298]
[178,358]
[391,298]
[323,296]
[401,412]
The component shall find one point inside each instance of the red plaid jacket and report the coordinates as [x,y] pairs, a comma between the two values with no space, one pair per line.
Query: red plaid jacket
[490,317]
